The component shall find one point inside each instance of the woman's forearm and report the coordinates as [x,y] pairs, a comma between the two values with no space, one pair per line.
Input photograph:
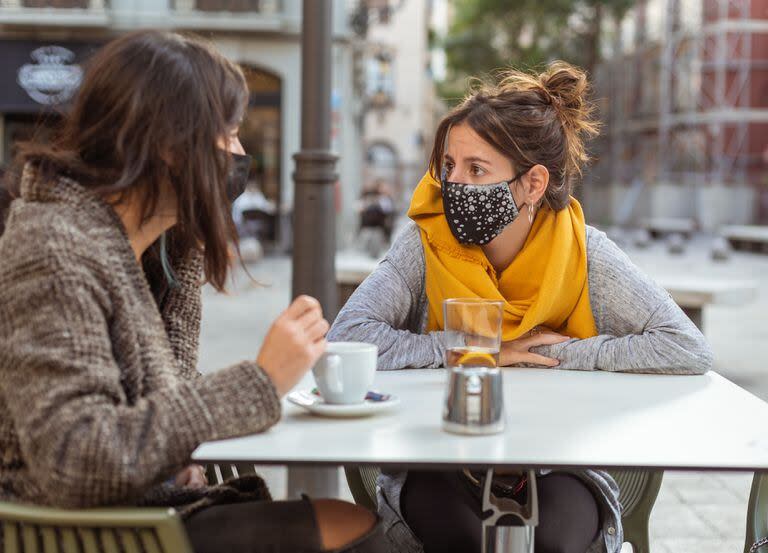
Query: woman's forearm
[378,313]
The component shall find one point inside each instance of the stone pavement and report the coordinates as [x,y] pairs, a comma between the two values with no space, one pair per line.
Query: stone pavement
[695,512]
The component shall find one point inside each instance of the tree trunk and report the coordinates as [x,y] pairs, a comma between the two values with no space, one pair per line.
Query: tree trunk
[593,39]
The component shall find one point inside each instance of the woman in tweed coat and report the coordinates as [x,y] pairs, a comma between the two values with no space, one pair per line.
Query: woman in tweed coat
[117,224]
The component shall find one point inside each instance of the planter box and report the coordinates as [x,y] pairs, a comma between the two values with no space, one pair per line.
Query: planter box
[619,194]
[719,205]
[671,201]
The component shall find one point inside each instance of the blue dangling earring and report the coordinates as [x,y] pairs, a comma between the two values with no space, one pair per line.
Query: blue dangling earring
[166,264]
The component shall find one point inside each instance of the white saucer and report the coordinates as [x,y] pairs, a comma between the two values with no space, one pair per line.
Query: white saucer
[317,406]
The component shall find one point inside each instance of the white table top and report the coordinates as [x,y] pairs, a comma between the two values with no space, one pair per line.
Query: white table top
[554,419]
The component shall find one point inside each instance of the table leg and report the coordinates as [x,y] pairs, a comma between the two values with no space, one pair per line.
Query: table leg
[509,527]
[317,483]
[696,315]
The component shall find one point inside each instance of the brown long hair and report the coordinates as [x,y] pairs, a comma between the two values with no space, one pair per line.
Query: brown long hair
[151,109]
[532,119]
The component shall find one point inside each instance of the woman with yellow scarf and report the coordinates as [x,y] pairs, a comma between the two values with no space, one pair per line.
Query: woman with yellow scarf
[494,218]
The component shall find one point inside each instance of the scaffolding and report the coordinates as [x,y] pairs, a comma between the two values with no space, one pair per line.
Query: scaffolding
[678,105]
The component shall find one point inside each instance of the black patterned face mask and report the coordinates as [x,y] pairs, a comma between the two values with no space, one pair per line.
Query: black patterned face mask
[477,214]
[237,179]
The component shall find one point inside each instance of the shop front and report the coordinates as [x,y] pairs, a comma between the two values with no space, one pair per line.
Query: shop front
[39,79]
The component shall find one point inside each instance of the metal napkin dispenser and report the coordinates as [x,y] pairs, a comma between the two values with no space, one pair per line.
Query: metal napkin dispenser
[474,401]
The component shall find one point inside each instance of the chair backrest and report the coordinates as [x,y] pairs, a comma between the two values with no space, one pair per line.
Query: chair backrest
[31,529]
[362,484]
[220,473]
[757,513]
[638,490]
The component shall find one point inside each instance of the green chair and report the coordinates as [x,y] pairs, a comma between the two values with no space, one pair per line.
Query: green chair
[757,514]
[362,484]
[638,491]
[31,529]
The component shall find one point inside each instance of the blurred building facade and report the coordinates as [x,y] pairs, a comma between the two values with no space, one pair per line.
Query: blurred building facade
[400,105]
[684,95]
[43,44]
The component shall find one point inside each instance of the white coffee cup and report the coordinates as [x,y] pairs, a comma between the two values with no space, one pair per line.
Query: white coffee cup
[345,371]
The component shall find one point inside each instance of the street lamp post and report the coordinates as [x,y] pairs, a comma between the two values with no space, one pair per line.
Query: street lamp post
[314,236]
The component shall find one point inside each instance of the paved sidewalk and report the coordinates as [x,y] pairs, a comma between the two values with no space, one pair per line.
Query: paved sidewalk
[701,513]
[695,512]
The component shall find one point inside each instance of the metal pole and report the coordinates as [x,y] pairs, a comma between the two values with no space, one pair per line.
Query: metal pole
[668,49]
[314,238]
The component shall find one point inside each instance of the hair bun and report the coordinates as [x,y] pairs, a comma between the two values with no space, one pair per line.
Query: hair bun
[565,83]
[569,89]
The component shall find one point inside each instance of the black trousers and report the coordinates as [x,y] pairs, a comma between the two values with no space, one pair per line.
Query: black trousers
[267,527]
[443,510]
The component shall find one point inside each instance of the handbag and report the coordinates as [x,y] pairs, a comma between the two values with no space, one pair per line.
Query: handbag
[188,501]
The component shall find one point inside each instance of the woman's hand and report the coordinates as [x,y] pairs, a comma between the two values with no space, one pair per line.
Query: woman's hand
[192,476]
[294,343]
[518,351]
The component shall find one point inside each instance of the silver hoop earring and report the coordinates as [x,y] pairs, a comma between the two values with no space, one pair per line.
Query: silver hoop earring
[530,213]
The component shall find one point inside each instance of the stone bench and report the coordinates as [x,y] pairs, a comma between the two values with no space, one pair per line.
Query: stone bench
[352,268]
[694,294]
[663,226]
[747,237]
[691,294]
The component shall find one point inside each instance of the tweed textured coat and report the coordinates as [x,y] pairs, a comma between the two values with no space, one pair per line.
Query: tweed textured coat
[100,398]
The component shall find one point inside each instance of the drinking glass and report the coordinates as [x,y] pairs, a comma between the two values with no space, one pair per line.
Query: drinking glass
[472,332]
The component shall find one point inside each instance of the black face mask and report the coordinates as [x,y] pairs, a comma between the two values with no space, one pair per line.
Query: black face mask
[477,214]
[238,175]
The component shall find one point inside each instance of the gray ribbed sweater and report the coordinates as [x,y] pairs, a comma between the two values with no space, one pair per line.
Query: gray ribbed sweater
[641,329]
[100,399]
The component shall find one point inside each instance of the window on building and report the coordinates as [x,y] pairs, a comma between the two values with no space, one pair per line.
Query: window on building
[262,138]
[380,84]
[382,9]
[381,154]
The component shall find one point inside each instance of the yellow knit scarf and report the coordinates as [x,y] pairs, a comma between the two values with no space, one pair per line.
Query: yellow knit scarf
[545,285]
